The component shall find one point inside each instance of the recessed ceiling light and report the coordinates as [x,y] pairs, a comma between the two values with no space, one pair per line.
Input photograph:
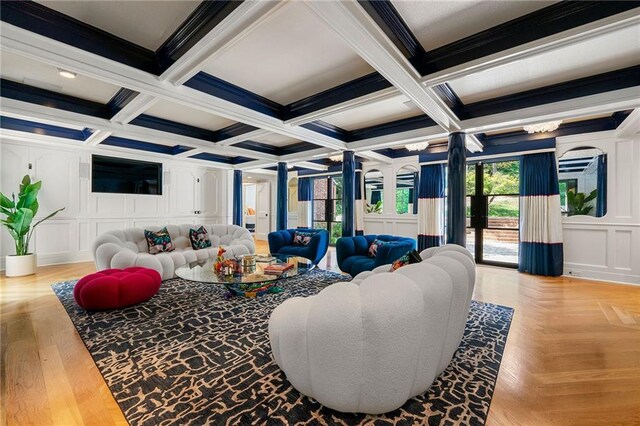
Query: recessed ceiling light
[66,73]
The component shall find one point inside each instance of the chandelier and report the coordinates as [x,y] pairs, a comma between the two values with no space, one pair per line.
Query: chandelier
[336,158]
[543,127]
[416,146]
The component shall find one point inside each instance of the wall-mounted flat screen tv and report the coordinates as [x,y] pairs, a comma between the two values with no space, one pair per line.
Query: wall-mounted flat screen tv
[122,176]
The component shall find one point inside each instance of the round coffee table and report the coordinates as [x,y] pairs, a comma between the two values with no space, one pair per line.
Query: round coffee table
[249,283]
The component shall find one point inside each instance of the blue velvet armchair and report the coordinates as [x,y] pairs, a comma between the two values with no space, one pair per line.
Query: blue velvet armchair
[281,242]
[353,252]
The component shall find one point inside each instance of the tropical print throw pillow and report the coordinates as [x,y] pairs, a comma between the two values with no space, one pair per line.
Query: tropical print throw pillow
[373,248]
[158,241]
[199,238]
[302,238]
[412,256]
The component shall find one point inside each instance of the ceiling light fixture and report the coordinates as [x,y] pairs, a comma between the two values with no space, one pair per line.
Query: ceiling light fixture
[542,127]
[66,73]
[336,158]
[419,146]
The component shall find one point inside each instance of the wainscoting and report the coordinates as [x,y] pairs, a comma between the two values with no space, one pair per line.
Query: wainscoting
[607,248]
[189,195]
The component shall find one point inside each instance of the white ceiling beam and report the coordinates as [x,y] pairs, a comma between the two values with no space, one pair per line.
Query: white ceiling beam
[356,27]
[242,21]
[426,134]
[319,114]
[134,108]
[22,42]
[97,137]
[258,164]
[253,135]
[308,154]
[29,111]
[374,156]
[310,165]
[630,127]
[537,47]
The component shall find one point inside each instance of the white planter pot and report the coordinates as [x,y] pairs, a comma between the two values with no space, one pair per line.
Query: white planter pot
[18,266]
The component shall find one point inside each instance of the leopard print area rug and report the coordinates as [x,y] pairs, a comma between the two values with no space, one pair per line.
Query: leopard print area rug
[188,356]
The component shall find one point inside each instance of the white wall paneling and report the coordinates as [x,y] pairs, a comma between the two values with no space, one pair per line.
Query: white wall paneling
[68,236]
[607,248]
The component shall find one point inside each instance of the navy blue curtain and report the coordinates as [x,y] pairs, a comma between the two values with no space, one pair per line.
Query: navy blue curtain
[413,193]
[431,206]
[305,189]
[359,205]
[237,197]
[541,248]
[601,200]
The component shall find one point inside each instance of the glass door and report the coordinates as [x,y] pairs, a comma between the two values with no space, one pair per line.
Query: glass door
[327,206]
[493,212]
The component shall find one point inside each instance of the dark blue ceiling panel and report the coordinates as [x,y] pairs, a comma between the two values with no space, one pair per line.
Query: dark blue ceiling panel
[404,125]
[233,130]
[554,19]
[214,86]
[164,125]
[213,157]
[202,20]
[614,80]
[327,129]
[36,95]
[41,20]
[138,145]
[121,99]
[43,129]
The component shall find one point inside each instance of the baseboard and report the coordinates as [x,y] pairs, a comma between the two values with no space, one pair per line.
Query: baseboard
[611,277]
[57,259]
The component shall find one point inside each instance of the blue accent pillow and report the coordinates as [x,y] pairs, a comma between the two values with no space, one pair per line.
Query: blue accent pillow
[199,238]
[373,248]
[302,238]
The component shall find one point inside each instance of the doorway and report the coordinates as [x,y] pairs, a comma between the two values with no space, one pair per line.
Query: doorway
[263,207]
[327,206]
[493,212]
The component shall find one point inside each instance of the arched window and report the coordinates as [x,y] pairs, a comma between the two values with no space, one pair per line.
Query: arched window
[374,191]
[407,190]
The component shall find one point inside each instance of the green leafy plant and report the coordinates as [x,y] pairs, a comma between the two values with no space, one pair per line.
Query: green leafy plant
[578,202]
[20,213]
[375,208]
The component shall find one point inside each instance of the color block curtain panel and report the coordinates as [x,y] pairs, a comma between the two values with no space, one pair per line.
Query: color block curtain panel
[431,206]
[541,250]
[359,206]
[305,197]
[601,200]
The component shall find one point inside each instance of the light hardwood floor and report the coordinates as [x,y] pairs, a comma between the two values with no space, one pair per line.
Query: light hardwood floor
[572,356]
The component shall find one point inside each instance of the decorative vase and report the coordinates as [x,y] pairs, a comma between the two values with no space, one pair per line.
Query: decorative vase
[18,266]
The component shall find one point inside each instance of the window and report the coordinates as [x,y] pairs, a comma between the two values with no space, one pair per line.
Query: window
[327,206]
[373,191]
[406,190]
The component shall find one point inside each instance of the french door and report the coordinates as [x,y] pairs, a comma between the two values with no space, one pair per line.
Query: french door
[493,212]
[327,206]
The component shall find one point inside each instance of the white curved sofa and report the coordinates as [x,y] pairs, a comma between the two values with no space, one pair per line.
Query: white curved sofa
[128,247]
[369,345]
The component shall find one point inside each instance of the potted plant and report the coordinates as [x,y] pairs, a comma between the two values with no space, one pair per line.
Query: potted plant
[578,202]
[19,215]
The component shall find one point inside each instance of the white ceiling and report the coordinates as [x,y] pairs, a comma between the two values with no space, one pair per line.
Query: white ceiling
[34,73]
[291,55]
[395,108]
[276,140]
[436,23]
[146,23]
[181,114]
[609,52]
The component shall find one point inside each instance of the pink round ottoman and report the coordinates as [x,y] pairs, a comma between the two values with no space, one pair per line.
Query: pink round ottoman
[116,288]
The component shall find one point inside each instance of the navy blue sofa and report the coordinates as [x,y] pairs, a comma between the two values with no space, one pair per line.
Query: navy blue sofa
[353,252]
[281,242]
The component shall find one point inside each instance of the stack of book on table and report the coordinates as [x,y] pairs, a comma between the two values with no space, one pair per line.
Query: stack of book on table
[277,268]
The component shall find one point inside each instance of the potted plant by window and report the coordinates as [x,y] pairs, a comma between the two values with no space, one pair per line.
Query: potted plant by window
[19,215]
